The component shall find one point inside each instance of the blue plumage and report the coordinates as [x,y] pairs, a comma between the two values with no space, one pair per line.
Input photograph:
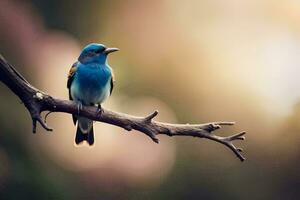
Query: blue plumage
[90,82]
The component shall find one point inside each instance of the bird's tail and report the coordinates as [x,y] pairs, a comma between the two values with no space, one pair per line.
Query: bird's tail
[85,131]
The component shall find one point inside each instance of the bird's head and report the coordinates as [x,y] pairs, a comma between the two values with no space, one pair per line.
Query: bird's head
[95,53]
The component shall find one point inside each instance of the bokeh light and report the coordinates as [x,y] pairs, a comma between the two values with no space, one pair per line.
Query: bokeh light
[195,61]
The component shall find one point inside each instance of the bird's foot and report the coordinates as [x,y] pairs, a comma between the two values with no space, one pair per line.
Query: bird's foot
[79,107]
[99,110]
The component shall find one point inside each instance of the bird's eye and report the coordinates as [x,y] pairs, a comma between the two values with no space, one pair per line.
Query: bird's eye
[98,51]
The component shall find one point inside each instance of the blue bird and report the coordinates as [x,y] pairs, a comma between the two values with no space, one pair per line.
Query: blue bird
[90,82]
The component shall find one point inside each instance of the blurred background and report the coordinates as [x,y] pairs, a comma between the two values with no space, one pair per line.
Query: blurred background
[195,61]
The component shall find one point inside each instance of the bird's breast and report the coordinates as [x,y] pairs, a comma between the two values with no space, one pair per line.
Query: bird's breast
[91,84]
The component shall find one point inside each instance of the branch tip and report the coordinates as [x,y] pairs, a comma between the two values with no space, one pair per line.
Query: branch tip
[156,140]
[238,136]
[128,127]
[225,123]
[33,126]
[42,123]
[151,116]
[48,113]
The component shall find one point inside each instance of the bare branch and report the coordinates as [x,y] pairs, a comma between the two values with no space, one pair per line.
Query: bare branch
[37,101]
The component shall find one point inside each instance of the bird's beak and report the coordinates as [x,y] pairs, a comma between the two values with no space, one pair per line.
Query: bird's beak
[110,50]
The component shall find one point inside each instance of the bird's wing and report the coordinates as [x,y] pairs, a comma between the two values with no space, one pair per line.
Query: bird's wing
[69,83]
[71,75]
[112,81]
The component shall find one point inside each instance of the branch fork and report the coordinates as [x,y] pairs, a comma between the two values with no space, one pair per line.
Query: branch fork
[37,102]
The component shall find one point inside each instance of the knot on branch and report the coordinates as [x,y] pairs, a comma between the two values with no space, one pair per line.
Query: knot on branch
[38,96]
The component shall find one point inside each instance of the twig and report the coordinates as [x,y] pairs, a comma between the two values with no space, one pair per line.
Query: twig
[37,101]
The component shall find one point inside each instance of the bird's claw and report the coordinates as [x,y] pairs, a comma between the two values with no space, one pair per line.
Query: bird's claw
[99,111]
[79,107]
